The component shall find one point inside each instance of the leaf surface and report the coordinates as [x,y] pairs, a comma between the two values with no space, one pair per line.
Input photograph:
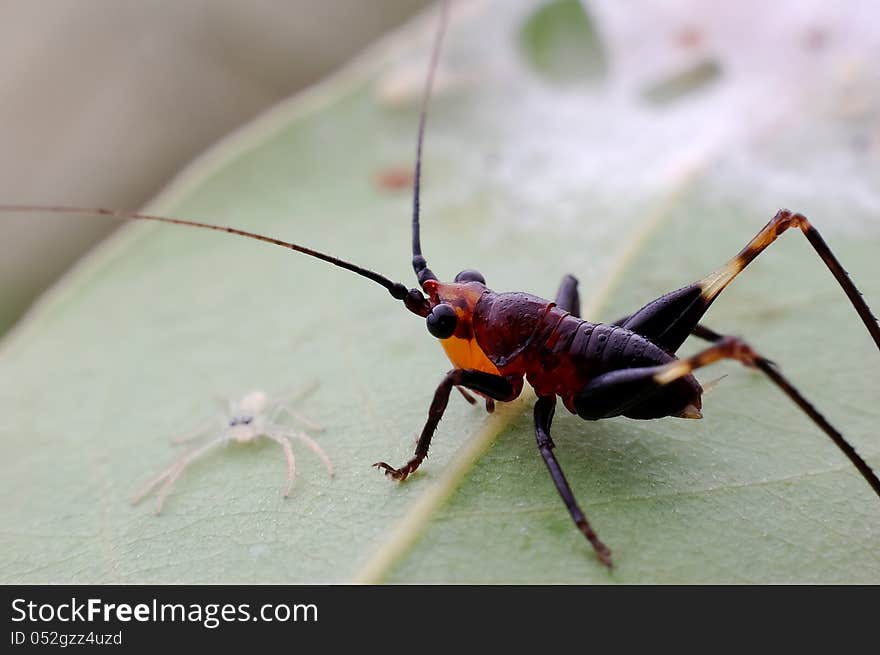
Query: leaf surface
[529,175]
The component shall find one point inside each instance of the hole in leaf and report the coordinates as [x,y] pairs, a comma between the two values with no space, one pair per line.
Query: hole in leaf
[704,74]
[561,42]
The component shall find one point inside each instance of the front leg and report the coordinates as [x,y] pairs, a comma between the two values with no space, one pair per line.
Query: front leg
[493,386]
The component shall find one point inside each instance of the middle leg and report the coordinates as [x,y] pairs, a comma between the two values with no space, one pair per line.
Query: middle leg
[544,410]
[567,296]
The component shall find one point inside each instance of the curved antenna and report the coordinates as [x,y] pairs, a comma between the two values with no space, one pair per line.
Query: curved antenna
[420,265]
[396,289]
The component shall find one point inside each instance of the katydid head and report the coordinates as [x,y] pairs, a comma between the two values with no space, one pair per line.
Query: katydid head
[453,304]
[452,307]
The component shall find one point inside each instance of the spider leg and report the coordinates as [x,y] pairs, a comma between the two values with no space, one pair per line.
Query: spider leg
[282,439]
[313,445]
[316,448]
[298,393]
[148,486]
[194,433]
[177,469]
[311,425]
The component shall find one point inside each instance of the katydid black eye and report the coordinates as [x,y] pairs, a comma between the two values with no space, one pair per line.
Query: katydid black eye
[442,321]
[470,275]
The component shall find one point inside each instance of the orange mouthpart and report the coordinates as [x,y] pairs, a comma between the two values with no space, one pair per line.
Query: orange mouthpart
[462,348]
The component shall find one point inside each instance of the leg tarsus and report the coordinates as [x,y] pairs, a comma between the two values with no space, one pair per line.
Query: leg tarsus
[544,410]
[401,473]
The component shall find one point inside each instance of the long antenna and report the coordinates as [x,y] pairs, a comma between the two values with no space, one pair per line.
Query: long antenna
[396,289]
[420,265]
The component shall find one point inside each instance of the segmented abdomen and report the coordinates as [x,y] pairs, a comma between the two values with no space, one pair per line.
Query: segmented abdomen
[601,347]
[570,351]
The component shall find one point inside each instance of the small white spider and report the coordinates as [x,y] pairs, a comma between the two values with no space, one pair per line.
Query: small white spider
[249,418]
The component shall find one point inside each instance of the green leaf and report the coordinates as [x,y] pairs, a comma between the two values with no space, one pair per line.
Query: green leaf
[526,181]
